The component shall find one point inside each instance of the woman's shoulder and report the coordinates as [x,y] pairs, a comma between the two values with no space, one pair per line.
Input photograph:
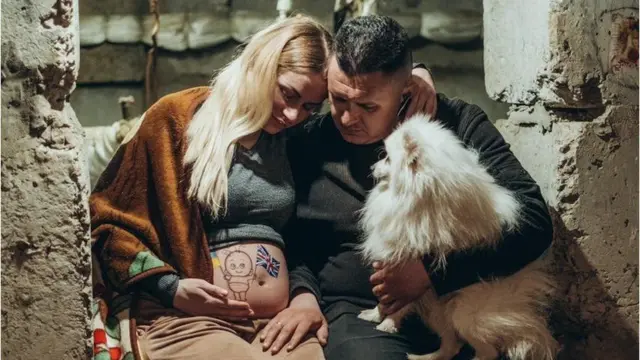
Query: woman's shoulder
[172,112]
[181,105]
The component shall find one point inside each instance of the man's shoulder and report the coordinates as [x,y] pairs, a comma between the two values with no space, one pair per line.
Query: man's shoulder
[457,108]
[458,114]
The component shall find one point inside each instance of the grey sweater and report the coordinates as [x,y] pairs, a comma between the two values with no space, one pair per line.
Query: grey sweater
[261,199]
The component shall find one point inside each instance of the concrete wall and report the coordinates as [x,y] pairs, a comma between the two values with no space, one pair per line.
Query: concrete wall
[109,71]
[45,219]
[198,37]
[574,80]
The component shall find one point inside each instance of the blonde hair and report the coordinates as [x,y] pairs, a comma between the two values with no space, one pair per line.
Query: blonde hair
[241,99]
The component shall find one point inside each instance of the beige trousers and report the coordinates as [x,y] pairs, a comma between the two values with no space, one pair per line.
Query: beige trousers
[174,335]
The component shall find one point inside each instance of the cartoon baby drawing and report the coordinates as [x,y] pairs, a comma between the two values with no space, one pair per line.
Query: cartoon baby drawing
[238,271]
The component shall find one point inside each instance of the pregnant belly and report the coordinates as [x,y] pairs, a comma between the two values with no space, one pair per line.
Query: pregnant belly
[255,272]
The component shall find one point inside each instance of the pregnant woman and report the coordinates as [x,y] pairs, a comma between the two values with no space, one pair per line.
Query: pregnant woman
[187,216]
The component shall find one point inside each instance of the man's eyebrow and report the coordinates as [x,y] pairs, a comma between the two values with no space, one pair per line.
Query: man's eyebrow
[361,100]
[367,103]
[338,93]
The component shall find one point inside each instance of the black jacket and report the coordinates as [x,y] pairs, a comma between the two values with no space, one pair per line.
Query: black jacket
[332,178]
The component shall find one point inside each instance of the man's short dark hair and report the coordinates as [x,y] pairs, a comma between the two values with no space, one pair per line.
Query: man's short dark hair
[372,43]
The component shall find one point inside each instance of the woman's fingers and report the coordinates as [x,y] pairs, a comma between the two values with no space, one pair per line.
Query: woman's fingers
[213,290]
[235,304]
[228,304]
[227,308]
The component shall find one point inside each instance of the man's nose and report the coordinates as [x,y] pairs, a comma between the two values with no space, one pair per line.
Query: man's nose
[348,118]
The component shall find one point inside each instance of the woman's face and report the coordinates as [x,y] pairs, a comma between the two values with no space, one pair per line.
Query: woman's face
[296,97]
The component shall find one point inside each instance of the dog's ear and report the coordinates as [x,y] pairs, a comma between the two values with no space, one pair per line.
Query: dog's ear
[412,152]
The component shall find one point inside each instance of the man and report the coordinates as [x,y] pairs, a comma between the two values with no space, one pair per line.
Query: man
[368,78]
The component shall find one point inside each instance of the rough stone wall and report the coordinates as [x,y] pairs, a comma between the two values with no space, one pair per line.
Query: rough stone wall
[45,219]
[571,69]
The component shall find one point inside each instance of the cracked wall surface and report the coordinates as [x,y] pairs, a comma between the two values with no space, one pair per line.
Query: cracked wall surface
[574,126]
[45,218]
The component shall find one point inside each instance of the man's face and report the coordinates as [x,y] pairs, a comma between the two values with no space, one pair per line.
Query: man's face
[365,107]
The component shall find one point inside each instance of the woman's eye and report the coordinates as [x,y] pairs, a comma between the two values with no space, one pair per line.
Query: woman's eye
[287,94]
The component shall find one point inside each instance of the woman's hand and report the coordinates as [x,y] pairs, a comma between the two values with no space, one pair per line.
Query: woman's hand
[291,325]
[423,94]
[198,297]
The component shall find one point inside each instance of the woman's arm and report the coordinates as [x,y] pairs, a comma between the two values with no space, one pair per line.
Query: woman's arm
[143,224]
[123,231]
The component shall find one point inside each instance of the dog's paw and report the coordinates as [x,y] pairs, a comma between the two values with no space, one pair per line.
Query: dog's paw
[418,357]
[372,315]
[387,325]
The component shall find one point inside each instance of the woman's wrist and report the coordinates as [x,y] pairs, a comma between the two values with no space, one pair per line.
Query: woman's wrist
[161,286]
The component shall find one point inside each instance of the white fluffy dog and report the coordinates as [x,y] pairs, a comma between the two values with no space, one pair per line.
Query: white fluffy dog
[434,197]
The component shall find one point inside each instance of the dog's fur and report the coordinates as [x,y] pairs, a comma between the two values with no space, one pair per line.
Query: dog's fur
[434,197]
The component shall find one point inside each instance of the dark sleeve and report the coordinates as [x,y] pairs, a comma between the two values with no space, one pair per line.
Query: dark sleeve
[297,255]
[161,286]
[300,275]
[517,248]
[298,252]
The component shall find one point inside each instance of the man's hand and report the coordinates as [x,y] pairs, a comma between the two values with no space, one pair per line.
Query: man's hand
[291,325]
[397,286]
[423,94]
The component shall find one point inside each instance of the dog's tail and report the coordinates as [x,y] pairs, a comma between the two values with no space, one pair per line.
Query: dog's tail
[537,346]
[535,341]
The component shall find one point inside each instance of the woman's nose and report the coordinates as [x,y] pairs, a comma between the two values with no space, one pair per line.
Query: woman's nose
[291,114]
